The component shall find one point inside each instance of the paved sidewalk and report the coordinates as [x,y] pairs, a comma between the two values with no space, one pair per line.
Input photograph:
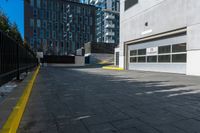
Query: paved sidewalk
[93,100]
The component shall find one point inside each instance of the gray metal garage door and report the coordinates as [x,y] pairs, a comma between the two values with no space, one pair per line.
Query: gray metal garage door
[161,55]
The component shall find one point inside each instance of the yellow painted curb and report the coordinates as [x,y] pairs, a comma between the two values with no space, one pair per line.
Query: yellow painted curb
[13,121]
[104,62]
[112,68]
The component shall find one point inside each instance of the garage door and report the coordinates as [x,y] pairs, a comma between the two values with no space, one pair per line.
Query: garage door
[160,55]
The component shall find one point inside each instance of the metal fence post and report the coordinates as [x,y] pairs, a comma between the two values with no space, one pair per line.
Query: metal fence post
[18,71]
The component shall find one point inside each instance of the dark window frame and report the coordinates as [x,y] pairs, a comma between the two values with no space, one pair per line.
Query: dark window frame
[175,46]
[164,49]
[129,3]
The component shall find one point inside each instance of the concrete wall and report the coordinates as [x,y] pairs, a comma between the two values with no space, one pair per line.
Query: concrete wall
[96,58]
[79,61]
[162,16]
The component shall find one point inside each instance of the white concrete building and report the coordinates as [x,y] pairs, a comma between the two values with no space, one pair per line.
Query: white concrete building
[160,35]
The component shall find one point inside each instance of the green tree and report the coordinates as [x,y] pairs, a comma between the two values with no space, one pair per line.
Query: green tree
[11,29]
[4,22]
[14,32]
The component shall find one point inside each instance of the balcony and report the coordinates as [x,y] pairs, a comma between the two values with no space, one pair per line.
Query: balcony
[110,41]
[109,16]
[110,26]
[110,33]
[95,1]
[92,1]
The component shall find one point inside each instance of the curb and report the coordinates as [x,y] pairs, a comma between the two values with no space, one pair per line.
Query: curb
[112,68]
[13,121]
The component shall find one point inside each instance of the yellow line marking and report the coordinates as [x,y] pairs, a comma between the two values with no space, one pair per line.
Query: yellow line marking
[112,68]
[13,121]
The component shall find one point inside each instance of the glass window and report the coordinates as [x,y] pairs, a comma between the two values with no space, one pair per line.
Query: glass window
[38,23]
[35,13]
[32,3]
[142,52]
[47,34]
[34,33]
[133,52]
[179,58]
[164,58]
[53,34]
[142,59]
[133,59]
[152,59]
[31,22]
[91,21]
[38,3]
[44,4]
[164,49]
[47,15]
[41,34]
[44,24]
[179,48]
[41,14]
[130,3]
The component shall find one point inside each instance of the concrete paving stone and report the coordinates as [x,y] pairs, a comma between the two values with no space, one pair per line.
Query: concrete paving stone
[189,126]
[161,118]
[71,126]
[167,128]
[94,120]
[135,123]
[124,124]
[131,130]
[103,128]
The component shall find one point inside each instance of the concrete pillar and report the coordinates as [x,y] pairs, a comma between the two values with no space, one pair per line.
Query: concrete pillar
[193,50]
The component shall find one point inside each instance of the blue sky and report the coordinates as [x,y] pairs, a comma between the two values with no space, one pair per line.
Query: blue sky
[15,11]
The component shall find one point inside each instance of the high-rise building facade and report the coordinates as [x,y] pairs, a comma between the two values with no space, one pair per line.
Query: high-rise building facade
[59,27]
[107,21]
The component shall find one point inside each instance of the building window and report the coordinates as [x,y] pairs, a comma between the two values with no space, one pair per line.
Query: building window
[179,58]
[41,14]
[47,34]
[129,3]
[34,33]
[54,35]
[152,59]
[38,23]
[133,59]
[38,3]
[44,4]
[47,15]
[32,3]
[31,22]
[142,59]
[35,13]
[164,58]
[41,34]
[179,48]
[44,24]
[164,49]
[142,52]
[133,52]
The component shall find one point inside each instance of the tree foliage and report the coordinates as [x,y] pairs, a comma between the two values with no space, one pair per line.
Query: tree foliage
[10,28]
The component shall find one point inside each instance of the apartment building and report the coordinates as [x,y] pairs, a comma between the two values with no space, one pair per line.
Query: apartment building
[107,20]
[59,27]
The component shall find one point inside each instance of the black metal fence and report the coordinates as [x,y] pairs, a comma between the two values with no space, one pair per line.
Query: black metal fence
[14,59]
[58,59]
